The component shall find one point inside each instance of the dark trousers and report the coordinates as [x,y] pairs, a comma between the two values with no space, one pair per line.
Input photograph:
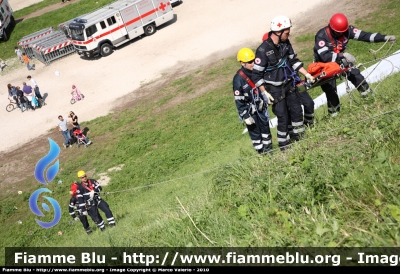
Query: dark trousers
[16,100]
[84,222]
[330,89]
[308,105]
[103,206]
[94,214]
[260,133]
[357,79]
[37,93]
[281,108]
[332,98]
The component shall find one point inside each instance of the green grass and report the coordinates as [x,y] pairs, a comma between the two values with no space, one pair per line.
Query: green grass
[190,178]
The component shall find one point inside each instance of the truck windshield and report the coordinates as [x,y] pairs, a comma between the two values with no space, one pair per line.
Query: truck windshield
[77,31]
[77,35]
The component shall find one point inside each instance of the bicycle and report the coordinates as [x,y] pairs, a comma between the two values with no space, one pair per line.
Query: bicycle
[76,97]
[12,105]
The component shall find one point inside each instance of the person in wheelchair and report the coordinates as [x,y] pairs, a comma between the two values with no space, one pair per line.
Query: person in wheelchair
[81,139]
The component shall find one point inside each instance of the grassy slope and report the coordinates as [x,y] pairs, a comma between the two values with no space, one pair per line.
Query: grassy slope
[337,187]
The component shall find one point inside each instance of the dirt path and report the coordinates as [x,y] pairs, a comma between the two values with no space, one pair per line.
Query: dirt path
[47,9]
[20,4]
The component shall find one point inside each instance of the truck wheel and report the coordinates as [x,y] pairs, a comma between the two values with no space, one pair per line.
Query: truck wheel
[105,49]
[150,29]
[5,37]
[12,21]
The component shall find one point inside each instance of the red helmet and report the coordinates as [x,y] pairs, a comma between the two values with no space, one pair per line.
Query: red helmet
[339,22]
[265,37]
[74,188]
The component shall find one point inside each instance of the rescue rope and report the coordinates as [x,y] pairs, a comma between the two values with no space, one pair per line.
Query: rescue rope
[348,90]
[248,158]
[289,145]
[345,126]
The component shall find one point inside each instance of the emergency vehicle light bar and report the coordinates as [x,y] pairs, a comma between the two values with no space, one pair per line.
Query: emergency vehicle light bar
[77,20]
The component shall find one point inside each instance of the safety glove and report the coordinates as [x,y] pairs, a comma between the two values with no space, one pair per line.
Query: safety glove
[310,78]
[390,38]
[267,97]
[249,121]
[349,57]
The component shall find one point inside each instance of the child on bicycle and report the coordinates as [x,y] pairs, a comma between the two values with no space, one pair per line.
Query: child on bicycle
[76,93]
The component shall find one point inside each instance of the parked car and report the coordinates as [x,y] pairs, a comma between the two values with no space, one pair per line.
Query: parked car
[175,2]
[6,19]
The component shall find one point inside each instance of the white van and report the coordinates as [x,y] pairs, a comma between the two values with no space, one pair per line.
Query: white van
[6,19]
[97,33]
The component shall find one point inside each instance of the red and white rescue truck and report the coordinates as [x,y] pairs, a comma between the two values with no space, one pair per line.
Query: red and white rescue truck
[6,19]
[115,24]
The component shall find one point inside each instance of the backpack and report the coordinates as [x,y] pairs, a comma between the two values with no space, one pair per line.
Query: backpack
[35,102]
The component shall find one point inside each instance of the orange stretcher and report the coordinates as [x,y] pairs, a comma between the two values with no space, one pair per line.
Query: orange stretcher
[323,73]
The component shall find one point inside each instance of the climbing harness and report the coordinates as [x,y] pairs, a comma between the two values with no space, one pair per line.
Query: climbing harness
[256,99]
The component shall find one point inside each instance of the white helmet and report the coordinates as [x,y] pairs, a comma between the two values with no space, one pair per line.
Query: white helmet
[280,22]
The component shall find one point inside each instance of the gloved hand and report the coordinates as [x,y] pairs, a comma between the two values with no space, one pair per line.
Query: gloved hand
[310,78]
[391,38]
[91,194]
[267,97]
[350,58]
[84,213]
[249,121]
[76,218]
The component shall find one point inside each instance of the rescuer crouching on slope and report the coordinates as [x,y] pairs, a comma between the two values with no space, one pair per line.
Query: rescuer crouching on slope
[330,44]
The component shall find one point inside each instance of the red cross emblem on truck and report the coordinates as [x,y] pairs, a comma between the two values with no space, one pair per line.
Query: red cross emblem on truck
[162,6]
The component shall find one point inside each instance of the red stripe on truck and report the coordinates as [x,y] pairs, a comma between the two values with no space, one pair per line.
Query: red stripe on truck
[75,42]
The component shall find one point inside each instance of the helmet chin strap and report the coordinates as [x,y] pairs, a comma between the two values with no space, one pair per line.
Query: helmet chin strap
[279,36]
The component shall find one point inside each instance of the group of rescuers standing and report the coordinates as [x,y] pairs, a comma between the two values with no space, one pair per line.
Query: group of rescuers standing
[270,77]
[267,77]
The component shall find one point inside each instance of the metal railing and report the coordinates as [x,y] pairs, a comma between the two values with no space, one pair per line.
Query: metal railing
[46,45]
[54,47]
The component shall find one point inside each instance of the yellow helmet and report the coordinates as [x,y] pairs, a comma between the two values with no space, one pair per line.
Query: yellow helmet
[81,173]
[245,55]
